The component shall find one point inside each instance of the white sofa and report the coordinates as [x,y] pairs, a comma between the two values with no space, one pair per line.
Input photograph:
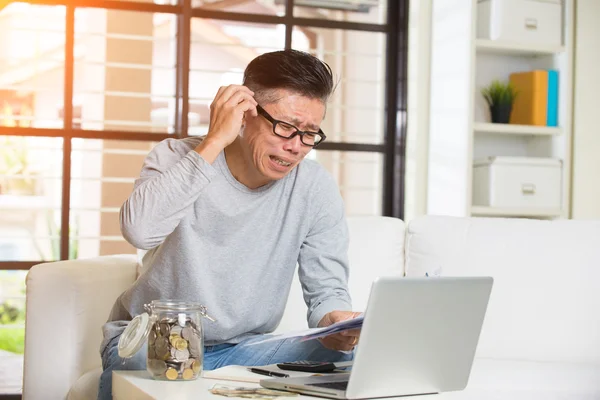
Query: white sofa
[541,335]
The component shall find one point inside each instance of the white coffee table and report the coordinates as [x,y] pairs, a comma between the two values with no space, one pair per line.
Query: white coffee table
[138,385]
[490,380]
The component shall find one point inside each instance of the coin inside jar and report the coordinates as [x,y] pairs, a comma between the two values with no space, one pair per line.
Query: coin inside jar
[174,351]
[187,374]
[171,374]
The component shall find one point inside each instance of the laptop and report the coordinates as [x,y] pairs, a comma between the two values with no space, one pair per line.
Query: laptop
[419,336]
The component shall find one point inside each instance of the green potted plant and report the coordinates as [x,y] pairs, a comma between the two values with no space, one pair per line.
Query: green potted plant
[500,98]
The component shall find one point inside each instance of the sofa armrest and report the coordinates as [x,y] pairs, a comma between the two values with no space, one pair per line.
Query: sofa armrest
[67,304]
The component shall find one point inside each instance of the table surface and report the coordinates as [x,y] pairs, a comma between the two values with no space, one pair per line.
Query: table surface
[139,385]
[490,380]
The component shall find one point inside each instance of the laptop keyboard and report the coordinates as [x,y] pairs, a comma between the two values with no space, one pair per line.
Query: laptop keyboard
[332,385]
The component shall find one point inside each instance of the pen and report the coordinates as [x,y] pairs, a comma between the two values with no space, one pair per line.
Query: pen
[268,373]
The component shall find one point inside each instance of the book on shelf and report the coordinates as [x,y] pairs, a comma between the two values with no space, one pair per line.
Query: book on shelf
[531,103]
[552,117]
[537,99]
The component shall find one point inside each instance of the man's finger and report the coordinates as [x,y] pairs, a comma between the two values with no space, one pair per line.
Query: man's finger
[351,332]
[337,342]
[239,97]
[248,106]
[231,89]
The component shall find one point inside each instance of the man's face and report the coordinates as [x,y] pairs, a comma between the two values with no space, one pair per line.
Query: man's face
[274,157]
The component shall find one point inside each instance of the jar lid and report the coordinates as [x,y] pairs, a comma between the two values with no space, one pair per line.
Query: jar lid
[134,336]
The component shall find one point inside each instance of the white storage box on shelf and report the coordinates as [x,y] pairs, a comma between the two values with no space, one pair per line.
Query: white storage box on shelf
[520,21]
[521,182]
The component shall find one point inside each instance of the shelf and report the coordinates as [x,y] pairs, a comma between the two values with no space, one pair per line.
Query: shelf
[513,129]
[515,49]
[515,212]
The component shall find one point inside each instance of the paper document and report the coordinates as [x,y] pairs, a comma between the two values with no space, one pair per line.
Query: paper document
[241,374]
[314,333]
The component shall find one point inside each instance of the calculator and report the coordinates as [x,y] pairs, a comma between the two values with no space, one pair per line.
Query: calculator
[308,366]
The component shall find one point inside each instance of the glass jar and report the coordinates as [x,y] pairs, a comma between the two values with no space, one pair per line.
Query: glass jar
[174,335]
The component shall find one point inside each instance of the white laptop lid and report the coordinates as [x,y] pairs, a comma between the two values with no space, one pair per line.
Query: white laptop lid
[419,336]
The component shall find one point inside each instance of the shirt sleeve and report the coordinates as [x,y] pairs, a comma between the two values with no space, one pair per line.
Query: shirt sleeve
[323,260]
[172,178]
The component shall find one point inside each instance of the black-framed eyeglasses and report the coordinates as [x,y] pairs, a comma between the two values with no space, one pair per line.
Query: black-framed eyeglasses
[288,131]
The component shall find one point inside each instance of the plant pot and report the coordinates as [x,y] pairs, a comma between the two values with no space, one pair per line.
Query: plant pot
[501,113]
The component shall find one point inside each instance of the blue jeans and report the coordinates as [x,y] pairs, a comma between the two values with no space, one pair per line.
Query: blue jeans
[223,354]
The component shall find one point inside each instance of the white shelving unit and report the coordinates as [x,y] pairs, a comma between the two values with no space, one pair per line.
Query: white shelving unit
[460,127]
[511,129]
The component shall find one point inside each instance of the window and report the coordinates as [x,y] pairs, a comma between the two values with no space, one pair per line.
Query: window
[88,88]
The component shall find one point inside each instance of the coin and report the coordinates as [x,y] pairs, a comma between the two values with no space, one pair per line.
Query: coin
[161,343]
[152,337]
[177,366]
[164,329]
[151,352]
[182,355]
[186,333]
[176,329]
[180,344]
[171,374]
[187,374]
[157,367]
[173,338]
[164,355]
[196,366]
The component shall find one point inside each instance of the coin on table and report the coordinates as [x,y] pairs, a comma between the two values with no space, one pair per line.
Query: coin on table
[187,374]
[171,374]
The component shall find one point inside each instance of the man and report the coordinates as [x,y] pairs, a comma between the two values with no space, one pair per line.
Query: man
[226,217]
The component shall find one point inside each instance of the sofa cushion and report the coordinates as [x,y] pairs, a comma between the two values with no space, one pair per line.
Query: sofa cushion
[544,303]
[86,387]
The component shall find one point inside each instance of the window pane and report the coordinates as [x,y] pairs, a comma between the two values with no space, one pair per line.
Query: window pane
[124,71]
[359,177]
[30,198]
[367,11]
[12,330]
[264,7]
[103,173]
[32,54]
[220,51]
[355,112]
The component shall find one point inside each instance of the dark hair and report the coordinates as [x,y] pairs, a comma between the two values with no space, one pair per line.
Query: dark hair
[293,70]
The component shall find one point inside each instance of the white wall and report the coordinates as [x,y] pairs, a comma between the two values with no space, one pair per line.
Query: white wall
[585,200]
[449,169]
[419,48]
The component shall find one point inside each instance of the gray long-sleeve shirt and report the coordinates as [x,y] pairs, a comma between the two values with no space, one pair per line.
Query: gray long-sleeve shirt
[214,241]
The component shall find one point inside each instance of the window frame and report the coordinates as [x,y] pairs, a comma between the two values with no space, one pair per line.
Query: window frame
[395,106]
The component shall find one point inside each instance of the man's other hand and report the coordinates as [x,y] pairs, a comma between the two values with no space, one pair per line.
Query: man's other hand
[343,341]
[226,119]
